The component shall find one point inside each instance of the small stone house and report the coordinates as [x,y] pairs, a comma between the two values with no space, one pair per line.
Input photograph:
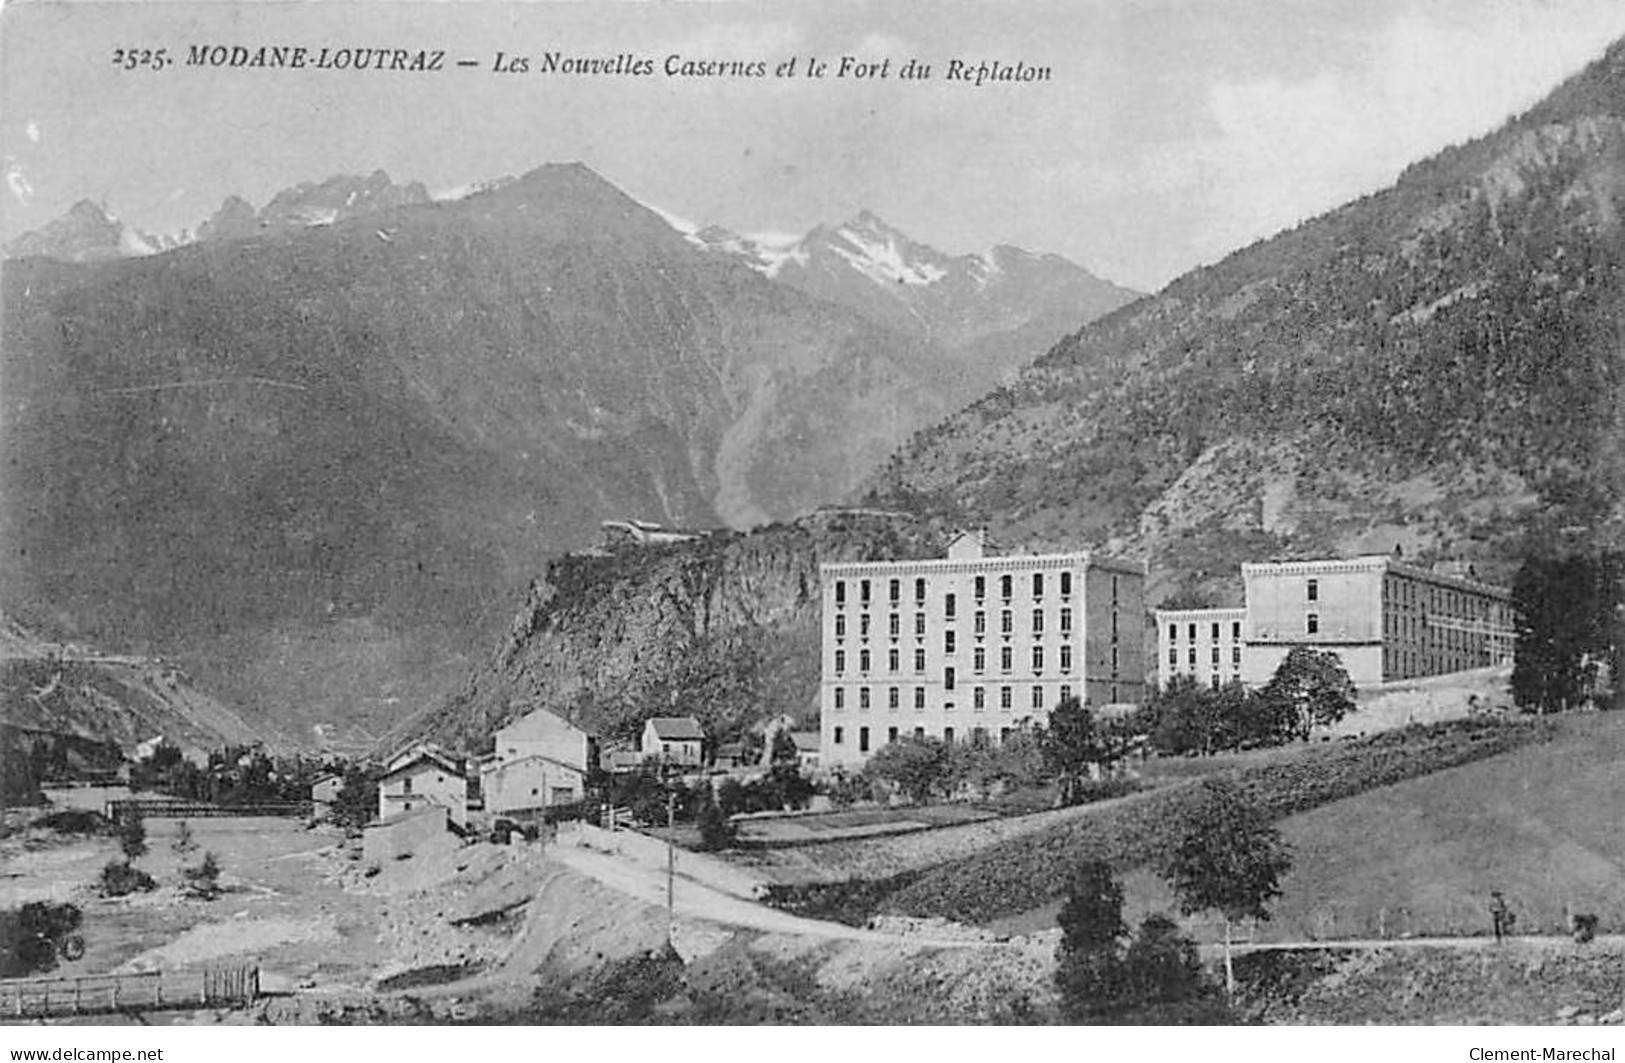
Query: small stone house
[674,739]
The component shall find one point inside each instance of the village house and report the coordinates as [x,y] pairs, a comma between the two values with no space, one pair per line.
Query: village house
[323,792]
[540,760]
[808,745]
[674,739]
[424,775]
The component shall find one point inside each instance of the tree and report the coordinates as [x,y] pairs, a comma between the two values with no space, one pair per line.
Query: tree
[1179,717]
[1310,688]
[132,836]
[717,831]
[1568,612]
[203,881]
[183,843]
[1073,742]
[357,800]
[1162,964]
[1088,970]
[784,750]
[1229,859]
[920,767]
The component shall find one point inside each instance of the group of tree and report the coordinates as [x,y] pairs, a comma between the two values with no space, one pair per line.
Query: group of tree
[1309,689]
[29,758]
[119,878]
[1229,859]
[1071,752]
[34,936]
[1569,613]
[233,775]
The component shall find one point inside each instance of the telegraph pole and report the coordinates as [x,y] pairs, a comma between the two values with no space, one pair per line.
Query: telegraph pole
[671,864]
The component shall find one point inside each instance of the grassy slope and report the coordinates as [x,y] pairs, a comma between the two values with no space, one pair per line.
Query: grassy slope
[1542,824]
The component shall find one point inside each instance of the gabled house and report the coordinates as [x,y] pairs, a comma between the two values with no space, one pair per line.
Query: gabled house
[808,744]
[674,739]
[540,759]
[424,775]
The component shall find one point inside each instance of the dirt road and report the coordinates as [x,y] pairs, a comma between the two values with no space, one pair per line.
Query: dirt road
[696,901]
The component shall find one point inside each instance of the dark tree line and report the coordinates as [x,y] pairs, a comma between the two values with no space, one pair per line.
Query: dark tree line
[1310,689]
[1569,611]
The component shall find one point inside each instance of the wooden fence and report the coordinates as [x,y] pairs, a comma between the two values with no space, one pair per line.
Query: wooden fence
[144,991]
[160,809]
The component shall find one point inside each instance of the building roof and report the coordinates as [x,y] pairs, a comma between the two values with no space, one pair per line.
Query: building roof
[807,741]
[424,754]
[518,722]
[502,766]
[677,729]
[1368,563]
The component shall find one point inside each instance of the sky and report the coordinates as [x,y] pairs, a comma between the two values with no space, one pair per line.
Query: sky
[1167,134]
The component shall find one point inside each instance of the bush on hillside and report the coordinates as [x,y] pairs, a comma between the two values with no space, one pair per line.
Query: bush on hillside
[119,879]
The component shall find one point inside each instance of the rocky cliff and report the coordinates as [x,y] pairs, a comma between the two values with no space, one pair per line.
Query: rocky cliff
[725,628]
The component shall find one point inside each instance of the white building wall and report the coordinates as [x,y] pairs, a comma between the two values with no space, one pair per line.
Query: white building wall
[424,783]
[1206,644]
[923,673]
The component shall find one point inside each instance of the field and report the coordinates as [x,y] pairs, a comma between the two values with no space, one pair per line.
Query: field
[989,872]
[283,901]
[1544,824]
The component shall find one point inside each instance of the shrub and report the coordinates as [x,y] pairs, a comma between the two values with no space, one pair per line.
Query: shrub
[203,881]
[75,821]
[717,831]
[132,836]
[30,936]
[119,879]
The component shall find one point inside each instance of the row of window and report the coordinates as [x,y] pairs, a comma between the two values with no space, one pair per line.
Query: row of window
[1007,623]
[1235,631]
[1173,656]
[894,698]
[978,736]
[894,659]
[895,589]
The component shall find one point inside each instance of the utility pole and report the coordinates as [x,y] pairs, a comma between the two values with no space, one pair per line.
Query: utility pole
[671,864]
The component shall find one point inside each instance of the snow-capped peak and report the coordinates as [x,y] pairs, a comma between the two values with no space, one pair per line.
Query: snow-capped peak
[883,254]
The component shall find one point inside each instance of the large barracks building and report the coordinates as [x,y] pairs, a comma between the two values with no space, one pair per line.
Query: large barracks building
[967,647]
[1387,621]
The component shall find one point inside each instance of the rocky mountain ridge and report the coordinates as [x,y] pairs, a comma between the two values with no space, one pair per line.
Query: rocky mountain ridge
[318,461]
[1436,366]
[994,309]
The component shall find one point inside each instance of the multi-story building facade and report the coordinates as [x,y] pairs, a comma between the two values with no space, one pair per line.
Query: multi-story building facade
[1206,644]
[1386,619]
[967,647]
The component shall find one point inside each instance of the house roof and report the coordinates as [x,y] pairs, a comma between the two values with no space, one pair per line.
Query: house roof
[518,722]
[807,741]
[618,759]
[498,768]
[422,755]
[677,729]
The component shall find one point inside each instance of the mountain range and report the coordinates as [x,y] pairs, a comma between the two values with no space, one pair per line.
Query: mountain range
[317,452]
[1434,368]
